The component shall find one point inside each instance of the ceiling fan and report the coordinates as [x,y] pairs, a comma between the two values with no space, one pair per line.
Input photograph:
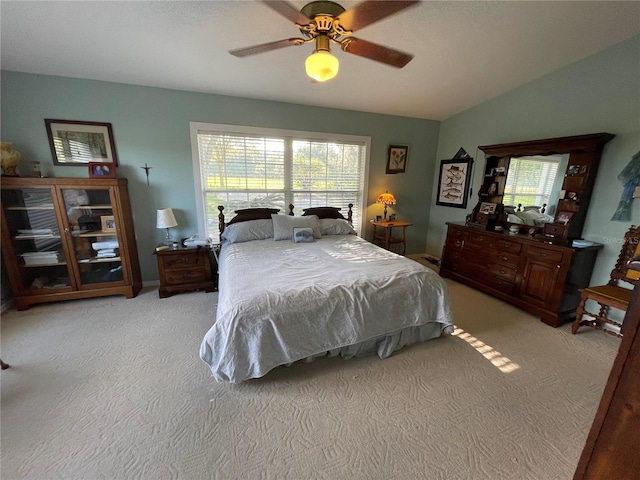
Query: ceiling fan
[326,22]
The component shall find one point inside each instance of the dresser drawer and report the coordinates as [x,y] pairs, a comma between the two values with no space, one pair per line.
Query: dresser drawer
[189,275]
[481,240]
[183,260]
[499,284]
[506,258]
[503,271]
[455,234]
[507,246]
[552,256]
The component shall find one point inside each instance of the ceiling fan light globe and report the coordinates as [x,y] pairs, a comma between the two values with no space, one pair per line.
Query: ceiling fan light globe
[322,66]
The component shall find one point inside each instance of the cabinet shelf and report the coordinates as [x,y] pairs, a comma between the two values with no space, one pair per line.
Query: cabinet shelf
[92,207]
[41,207]
[32,237]
[96,233]
[100,260]
[40,265]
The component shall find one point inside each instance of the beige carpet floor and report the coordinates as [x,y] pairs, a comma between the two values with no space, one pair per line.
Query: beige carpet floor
[114,389]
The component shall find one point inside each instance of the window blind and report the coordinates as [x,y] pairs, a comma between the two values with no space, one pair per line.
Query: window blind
[530,180]
[246,170]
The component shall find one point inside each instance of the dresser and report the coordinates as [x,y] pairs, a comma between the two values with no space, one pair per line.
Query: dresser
[541,278]
[185,269]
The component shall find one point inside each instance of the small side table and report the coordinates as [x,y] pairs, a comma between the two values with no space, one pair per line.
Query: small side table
[385,239]
[185,269]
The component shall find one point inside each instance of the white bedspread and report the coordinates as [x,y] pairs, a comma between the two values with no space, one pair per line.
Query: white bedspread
[280,302]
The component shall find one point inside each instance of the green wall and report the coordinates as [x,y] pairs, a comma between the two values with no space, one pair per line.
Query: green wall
[151,125]
[598,94]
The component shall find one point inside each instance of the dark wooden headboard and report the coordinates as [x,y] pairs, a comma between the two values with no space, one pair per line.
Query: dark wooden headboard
[259,213]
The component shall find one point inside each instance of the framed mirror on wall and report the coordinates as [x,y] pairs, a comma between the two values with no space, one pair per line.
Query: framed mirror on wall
[540,182]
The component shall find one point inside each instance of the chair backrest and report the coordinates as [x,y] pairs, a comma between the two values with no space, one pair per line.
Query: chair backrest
[630,248]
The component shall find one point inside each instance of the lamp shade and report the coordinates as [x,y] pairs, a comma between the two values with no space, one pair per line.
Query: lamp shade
[166,219]
[321,65]
[386,198]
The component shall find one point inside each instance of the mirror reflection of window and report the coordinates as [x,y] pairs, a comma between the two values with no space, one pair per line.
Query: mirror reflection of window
[534,181]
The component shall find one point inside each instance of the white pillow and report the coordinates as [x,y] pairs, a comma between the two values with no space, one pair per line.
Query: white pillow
[283,225]
[513,218]
[530,216]
[335,226]
[249,230]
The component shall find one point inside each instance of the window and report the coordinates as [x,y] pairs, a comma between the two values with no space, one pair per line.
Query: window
[244,167]
[530,180]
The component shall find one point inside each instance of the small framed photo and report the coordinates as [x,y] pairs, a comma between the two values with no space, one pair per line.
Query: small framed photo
[397,158]
[573,170]
[393,217]
[108,223]
[378,218]
[102,170]
[488,208]
[75,143]
[564,217]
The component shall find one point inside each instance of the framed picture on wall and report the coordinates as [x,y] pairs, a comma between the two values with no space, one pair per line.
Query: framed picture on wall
[453,182]
[75,143]
[397,158]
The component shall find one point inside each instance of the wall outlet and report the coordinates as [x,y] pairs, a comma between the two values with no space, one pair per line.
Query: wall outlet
[636,193]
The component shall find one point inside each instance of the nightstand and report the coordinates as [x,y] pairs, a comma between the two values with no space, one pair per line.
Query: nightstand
[186,269]
[385,239]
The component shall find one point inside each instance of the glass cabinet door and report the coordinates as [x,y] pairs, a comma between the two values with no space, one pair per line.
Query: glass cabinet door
[94,235]
[36,240]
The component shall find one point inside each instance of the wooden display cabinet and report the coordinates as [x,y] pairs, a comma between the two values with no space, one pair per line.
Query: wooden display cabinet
[68,238]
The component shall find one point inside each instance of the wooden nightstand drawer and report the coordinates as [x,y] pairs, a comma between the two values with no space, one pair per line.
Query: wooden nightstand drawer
[182,260]
[190,275]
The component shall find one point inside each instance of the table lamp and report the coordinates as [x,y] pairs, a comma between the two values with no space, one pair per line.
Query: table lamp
[386,199]
[167,220]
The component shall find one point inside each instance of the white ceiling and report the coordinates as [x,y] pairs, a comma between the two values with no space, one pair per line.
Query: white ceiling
[465,52]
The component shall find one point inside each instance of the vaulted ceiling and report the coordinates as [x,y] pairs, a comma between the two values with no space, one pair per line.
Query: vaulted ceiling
[466,52]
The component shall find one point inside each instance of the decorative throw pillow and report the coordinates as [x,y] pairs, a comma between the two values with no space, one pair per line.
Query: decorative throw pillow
[249,230]
[335,226]
[323,212]
[283,225]
[302,234]
[246,214]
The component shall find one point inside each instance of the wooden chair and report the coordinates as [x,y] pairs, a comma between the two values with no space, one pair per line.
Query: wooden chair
[611,295]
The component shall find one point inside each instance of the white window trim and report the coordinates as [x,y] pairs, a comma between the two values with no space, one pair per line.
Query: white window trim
[195,127]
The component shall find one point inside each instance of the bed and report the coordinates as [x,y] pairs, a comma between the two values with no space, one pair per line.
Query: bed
[285,298]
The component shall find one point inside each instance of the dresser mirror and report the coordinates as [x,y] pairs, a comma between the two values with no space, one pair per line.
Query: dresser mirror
[539,185]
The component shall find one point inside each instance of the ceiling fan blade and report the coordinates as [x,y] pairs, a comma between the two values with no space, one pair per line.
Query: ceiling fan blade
[266,47]
[376,52]
[371,11]
[288,11]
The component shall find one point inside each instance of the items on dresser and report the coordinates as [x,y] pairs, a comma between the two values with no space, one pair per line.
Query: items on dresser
[539,277]
[53,243]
